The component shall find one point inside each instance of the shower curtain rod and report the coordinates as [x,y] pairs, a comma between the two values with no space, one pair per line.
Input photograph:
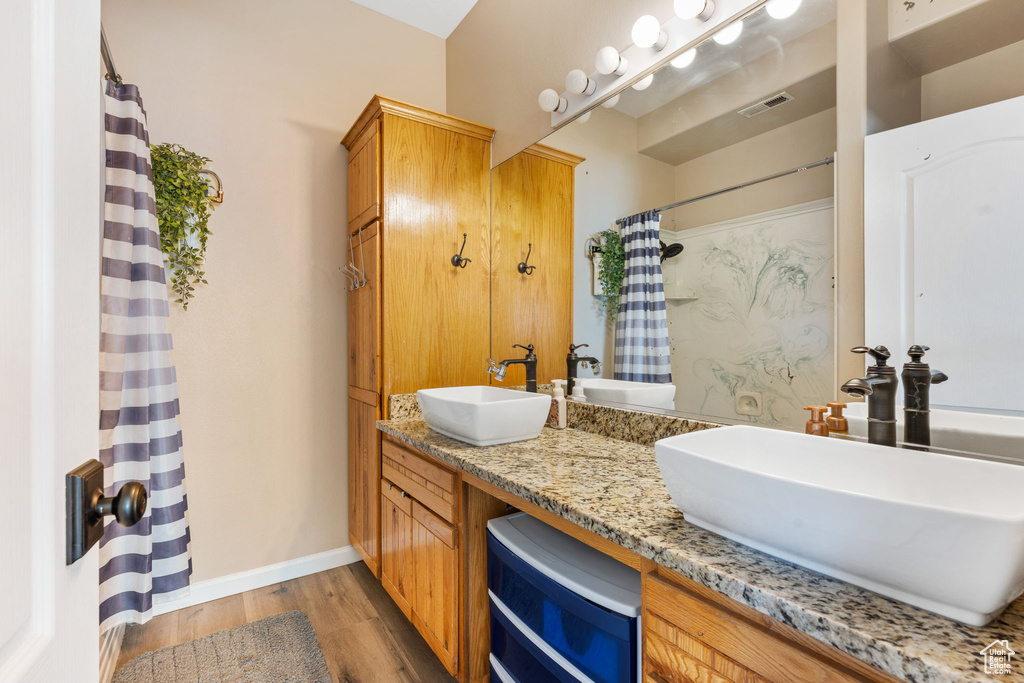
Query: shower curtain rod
[823,162]
[107,58]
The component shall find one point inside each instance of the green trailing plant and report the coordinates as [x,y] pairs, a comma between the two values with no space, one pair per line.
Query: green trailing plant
[613,270]
[183,210]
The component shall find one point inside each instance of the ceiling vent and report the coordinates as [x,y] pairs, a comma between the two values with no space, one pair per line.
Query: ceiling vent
[766,104]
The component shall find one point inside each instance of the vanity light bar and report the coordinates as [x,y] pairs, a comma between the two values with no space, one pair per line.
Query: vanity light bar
[616,70]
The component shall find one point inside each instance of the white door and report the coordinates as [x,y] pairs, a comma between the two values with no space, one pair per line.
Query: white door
[944,251]
[50,194]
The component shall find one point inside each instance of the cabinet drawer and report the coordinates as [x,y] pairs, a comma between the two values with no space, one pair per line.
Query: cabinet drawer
[688,638]
[429,483]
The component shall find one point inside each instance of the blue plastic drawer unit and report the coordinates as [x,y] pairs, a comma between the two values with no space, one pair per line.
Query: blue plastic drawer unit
[560,610]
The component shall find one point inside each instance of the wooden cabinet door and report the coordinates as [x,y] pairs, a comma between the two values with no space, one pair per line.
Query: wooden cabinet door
[435,595]
[532,197]
[397,564]
[364,480]
[436,187]
[364,312]
[364,178]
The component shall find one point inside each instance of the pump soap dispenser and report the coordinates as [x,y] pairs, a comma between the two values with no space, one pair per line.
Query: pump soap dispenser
[837,424]
[816,425]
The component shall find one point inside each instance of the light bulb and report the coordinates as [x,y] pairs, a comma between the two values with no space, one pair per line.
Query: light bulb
[644,83]
[550,101]
[684,60]
[729,34]
[578,83]
[694,9]
[782,9]
[584,118]
[609,61]
[647,33]
[610,102]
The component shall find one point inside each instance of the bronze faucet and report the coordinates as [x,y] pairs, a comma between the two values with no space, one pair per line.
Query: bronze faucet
[917,380]
[879,386]
[498,369]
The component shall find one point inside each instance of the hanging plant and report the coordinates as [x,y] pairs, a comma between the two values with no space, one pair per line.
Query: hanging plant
[613,270]
[183,211]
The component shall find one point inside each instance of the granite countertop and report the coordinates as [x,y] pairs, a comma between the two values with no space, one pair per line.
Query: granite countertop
[614,488]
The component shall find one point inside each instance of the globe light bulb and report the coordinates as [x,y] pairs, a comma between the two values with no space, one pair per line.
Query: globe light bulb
[578,83]
[782,9]
[684,60]
[551,101]
[584,118]
[647,33]
[729,34]
[609,61]
[644,83]
[694,9]
[611,102]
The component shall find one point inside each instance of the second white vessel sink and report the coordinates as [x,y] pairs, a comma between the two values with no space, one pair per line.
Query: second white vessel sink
[484,416]
[633,393]
[941,532]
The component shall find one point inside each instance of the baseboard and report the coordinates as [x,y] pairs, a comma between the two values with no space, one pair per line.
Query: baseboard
[232,584]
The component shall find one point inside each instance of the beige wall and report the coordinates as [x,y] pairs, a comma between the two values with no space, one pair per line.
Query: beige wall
[992,77]
[809,139]
[267,89]
[505,52]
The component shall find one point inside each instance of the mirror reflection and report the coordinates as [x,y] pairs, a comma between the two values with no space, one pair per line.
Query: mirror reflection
[726,308]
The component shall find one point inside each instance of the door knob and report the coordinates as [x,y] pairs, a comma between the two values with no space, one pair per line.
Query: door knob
[87,506]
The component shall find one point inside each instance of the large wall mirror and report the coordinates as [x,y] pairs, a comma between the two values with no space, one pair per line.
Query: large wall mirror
[748,273]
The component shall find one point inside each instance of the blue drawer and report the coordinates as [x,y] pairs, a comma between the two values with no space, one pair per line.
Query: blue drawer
[521,658]
[601,643]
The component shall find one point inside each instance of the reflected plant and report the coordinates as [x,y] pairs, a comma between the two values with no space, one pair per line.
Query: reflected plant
[613,270]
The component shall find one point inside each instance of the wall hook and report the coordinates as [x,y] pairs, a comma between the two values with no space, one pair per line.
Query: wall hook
[523,267]
[457,259]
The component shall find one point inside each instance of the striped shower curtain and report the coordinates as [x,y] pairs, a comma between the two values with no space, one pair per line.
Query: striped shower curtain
[140,439]
[641,328]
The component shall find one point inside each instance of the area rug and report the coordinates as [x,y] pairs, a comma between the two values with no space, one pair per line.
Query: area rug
[281,648]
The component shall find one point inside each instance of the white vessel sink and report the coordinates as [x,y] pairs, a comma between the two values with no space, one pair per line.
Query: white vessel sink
[484,416]
[941,532]
[634,393]
[1000,435]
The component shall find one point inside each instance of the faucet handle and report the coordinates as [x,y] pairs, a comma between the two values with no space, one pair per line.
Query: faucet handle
[528,347]
[916,353]
[879,353]
[573,347]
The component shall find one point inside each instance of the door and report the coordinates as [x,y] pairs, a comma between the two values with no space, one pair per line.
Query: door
[532,198]
[50,190]
[436,188]
[364,480]
[943,243]
[397,572]
[364,312]
[435,594]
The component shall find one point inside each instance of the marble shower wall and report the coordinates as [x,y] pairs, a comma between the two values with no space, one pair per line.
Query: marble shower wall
[762,318]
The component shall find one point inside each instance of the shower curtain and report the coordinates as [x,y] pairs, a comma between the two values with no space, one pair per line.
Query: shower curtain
[140,439]
[641,328]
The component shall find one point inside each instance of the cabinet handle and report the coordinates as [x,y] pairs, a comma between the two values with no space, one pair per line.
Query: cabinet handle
[457,259]
[403,494]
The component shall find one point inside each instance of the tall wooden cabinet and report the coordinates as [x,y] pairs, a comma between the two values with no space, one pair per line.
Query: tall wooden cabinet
[532,204]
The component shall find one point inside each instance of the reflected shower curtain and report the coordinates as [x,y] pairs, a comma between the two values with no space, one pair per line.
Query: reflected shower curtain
[140,439]
[641,328]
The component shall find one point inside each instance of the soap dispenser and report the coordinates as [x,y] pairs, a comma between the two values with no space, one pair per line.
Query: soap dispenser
[816,425]
[917,380]
[557,417]
[837,424]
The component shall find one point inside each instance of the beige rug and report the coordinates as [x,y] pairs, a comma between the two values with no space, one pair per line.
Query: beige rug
[281,648]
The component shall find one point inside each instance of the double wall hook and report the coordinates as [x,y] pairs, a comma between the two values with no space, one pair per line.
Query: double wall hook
[523,267]
[356,276]
[457,259]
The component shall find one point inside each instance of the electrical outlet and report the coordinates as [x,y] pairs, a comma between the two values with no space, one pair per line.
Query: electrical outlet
[749,403]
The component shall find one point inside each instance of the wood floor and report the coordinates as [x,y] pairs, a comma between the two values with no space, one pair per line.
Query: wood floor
[364,636]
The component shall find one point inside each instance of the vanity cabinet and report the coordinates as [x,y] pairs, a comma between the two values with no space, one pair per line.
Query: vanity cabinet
[694,634]
[420,541]
[532,204]
[418,182]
